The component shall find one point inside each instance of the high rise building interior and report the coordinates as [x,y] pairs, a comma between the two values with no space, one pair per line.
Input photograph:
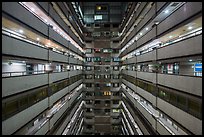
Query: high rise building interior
[102,68]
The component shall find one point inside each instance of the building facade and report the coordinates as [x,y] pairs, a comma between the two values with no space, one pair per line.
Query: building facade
[97,68]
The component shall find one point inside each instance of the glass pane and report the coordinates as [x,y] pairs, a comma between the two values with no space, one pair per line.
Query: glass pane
[181,101]
[11,107]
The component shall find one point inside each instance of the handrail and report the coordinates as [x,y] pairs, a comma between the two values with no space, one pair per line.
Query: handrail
[9,33]
[170,42]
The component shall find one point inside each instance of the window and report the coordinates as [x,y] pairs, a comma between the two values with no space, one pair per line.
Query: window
[88,51]
[88,76]
[88,85]
[195,107]
[181,101]
[107,59]
[97,59]
[97,17]
[115,68]
[115,85]
[107,110]
[115,76]
[108,84]
[106,93]
[11,107]
[97,68]
[116,110]
[88,68]
[106,76]
[173,99]
[115,59]
[107,50]
[23,102]
[97,76]
[115,101]
[97,102]
[88,59]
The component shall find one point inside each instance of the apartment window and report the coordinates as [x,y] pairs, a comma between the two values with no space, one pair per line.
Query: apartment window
[11,107]
[97,68]
[97,17]
[106,76]
[116,110]
[195,107]
[88,110]
[88,85]
[88,76]
[97,59]
[115,68]
[23,102]
[181,101]
[88,68]
[108,84]
[97,50]
[115,85]
[116,93]
[98,93]
[107,69]
[116,59]
[106,93]
[97,85]
[88,51]
[88,101]
[107,101]
[115,76]
[97,102]
[173,99]
[115,101]
[107,110]
[97,76]
[165,94]
[107,59]
[107,50]
[115,50]
[88,59]
[88,94]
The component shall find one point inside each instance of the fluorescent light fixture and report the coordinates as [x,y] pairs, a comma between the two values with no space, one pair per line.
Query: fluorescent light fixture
[190,27]
[166,11]
[21,31]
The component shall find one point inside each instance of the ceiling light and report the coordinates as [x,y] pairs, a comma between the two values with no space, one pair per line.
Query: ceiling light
[190,60]
[156,22]
[38,39]
[140,33]
[166,11]
[45,20]
[21,31]
[190,27]
[49,44]
[170,36]
[54,28]
[147,28]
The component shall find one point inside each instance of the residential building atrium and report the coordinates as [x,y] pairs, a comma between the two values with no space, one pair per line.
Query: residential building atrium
[101,68]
